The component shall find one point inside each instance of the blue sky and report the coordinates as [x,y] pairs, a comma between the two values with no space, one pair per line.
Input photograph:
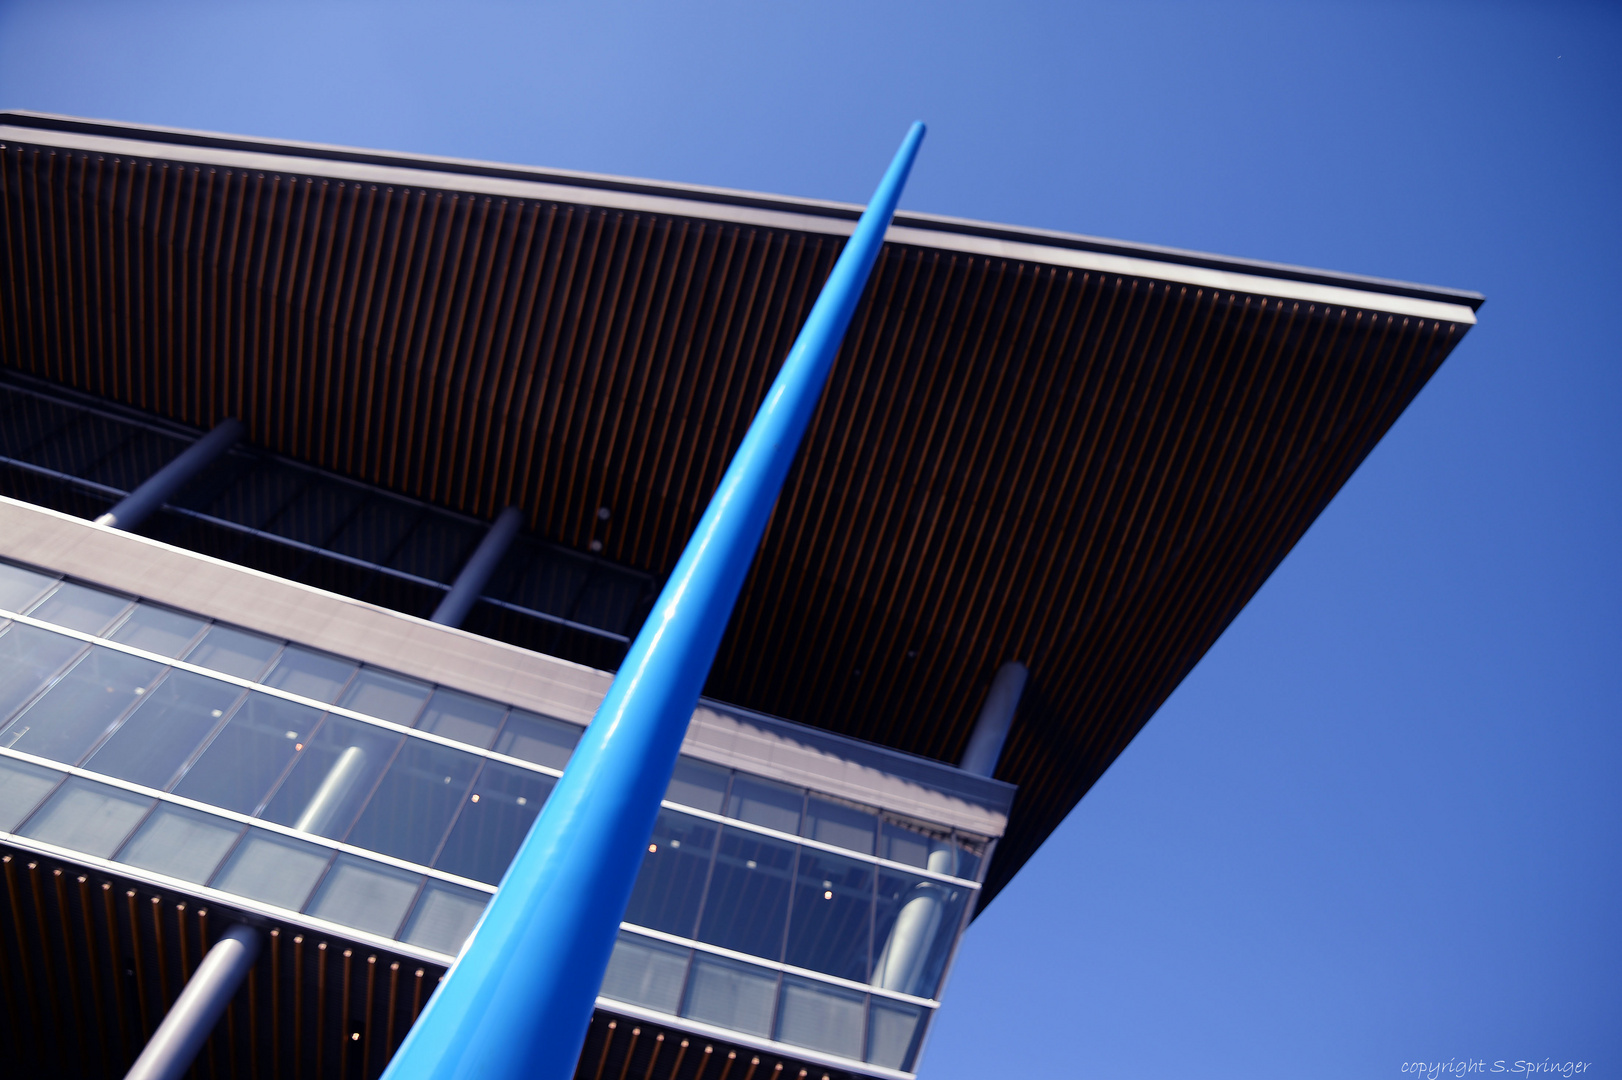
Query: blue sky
[1382,821]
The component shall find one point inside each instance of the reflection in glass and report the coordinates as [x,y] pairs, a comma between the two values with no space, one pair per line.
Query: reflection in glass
[158,630]
[828,925]
[165,729]
[413,806]
[462,717]
[365,895]
[18,587]
[910,845]
[444,916]
[494,820]
[645,972]
[79,607]
[821,1017]
[385,696]
[762,802]
[916,920]
[233,652]
[250,753]
[181,843]
[69,717]
[310,674]
[671,884]
[22,785]
[748,894]
[332,777]
[892,1033]
[839,824]
[273,869]
[731,995]
[699,785]
[87,816]
[540,739]
[29,656]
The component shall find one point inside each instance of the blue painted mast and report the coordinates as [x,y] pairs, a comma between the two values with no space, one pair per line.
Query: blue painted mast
[518,1001]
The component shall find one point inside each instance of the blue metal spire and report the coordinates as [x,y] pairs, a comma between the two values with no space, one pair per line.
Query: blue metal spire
[518,1001]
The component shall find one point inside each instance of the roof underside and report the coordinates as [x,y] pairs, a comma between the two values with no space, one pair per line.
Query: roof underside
[1045,449]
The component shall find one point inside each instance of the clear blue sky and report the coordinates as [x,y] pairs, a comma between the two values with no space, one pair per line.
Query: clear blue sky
[1382,821]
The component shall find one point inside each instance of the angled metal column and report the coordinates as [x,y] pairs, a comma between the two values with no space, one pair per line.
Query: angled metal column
[157,489]
[480,565]
[519,999]
[175,1044]
[996,718]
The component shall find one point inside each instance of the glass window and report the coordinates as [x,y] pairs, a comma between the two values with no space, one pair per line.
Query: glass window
[822,1017]
[22,785]
[462,717]
[244,761]
[494,820]
[839,824]
[969,852]
[333,776]
[893,1028]
[728,994]
[366,895]
[79,607]
[445,915]
[762,802]
[273,869]
[385,696]
[699,785]
[181,843]
[18,587]
[917,845]
[69,717]
[165,729]
[29,657]
[645,972]
[234,652]
[670,886]
[310,674]
[158,630]
[540,739]
[916,921]
[87,816]
[831,918]
[413,806]
[748,895]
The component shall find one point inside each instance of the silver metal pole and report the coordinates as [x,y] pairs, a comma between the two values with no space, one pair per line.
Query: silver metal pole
[480,565]
[996,717]
[140,503]
[175,1044]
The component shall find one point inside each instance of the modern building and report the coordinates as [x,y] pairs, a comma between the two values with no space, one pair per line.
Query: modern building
[265,659]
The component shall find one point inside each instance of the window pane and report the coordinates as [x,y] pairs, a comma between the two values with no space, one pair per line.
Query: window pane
[79,607]
[671,884]
[748,896]
[646,972]
[892,1033]
[762,802]
[699,785]
[822,1017]
[164,731]
[22,785]
[829,923]
[234,652]
[310,674]
[916,845]
[273,869]
[839,824]
[181,842]
[462,717]
[494,820]
[540,739]
[916,922]
[68,719]
[158,630]
[333,776]
[250,753]
[413,806]
[445,915]
[29,657]
[731,995]
[18,587]
[365,895]
[385,696]
[88,817]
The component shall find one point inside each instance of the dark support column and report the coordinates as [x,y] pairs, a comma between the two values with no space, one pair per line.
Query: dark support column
[175,1044]
[480,565]
[157,489]
[996,717]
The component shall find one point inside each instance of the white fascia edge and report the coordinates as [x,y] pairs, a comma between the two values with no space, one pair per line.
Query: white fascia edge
[635,202]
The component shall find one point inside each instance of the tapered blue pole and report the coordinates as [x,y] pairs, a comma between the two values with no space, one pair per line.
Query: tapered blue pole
[518,1001]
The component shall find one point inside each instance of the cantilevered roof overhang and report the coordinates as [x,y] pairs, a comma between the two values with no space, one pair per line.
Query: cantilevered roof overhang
[1079,453]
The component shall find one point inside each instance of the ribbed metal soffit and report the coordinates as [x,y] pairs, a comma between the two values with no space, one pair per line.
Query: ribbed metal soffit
[1088,472]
